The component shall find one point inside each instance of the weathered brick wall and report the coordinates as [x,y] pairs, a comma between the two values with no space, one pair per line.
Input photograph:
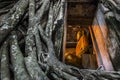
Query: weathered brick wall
[81,11]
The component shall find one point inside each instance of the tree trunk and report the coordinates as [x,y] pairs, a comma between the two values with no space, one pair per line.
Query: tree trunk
[31,38]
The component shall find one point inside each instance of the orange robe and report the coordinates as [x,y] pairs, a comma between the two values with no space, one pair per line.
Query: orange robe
[81,45]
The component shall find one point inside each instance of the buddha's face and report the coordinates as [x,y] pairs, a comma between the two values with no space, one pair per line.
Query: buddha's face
[82,32]
[79,34]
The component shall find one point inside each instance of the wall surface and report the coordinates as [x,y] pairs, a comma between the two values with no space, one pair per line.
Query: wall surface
[81,11]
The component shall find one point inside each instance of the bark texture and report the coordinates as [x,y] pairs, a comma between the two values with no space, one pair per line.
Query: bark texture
[111,11]
[31,37]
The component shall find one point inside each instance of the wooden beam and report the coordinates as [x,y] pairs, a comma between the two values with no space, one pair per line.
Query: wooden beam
[79,17]
[79,22]
[95,48]
[102,23]
[71,44]
[102,45]
[65,33]
[80,0]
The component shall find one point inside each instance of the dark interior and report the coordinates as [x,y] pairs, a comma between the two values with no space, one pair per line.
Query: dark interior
[79,48]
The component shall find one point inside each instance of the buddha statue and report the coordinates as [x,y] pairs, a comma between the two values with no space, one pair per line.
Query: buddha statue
[82,43]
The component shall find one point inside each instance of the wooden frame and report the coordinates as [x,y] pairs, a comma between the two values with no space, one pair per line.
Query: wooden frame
[99,35]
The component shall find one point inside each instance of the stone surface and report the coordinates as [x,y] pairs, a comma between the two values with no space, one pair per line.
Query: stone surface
[89,61]
[81,11]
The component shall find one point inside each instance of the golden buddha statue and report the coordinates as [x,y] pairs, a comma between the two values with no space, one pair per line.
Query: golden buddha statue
[82,43]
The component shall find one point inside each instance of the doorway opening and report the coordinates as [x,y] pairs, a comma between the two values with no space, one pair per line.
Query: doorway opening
[79,50]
